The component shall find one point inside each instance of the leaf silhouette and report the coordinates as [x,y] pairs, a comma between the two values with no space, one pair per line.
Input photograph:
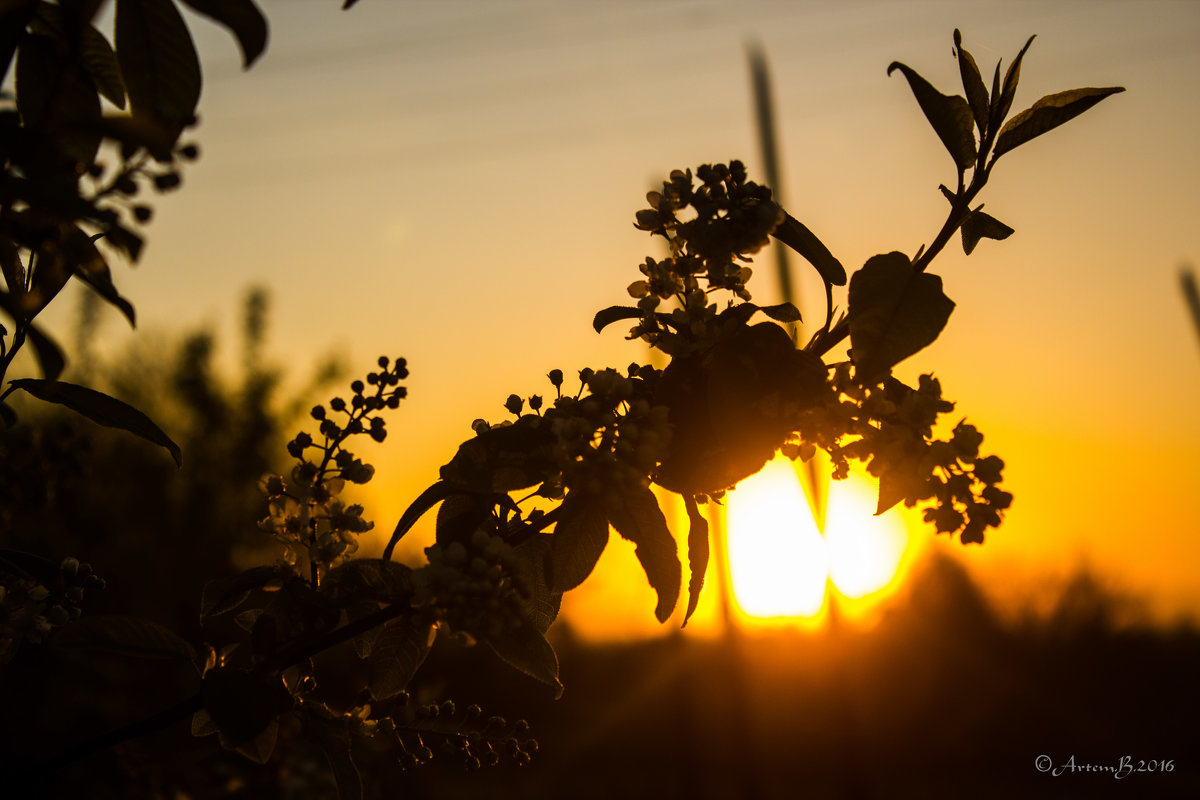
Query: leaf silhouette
[244,21]
[1004,98]
[99,408]
[894,312]
[580,536]
[225,594]
[119,633]
[397,653]
[524,647]
[797,236]
[1047,114]
[636,516]
[972,80]
[543,604]
[979,225]
[950,116]
[697,554]
[158,60]
[607,316]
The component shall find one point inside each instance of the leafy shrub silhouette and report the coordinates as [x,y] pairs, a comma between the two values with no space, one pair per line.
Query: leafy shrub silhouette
[734,392]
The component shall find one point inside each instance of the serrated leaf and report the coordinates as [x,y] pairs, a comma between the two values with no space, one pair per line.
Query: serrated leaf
[979,225]
[1047,114]
[580,536]
[1002,100]
[128,635]
[243,19]
[378,581]
[225,594]
[636,516]
[972,80]
[542,605]
[101,409]
[397,653]
[697,554]
[796,235]
[158,60]
[950,116]
[607,316]
[525,648]
[894,312]
[503,459]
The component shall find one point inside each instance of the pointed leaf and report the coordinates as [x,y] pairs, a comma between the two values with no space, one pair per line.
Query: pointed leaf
[370,579]
[243,19]
[891,491]
[979,225]
[796,235]
[158,60]
[56,97]
[1048,113]
[428,499]
[784,312]
[950,116]
[542,605]
[894,312]
[96,54]
[636,516]
[697,554]
[259,748]
[580,536]
[1003,101]
[91,268]
[49,355]
[133,636]
[225,594]
[524,647]
[397,653]
[503,459]
[99,408]
[607,316]
[101,64]
[977,94]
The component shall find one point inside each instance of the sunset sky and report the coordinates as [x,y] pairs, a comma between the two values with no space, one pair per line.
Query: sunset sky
[455,182]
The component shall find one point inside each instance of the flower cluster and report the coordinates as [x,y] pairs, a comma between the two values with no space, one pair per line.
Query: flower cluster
[419,733]
[33,606]
[728,218]
[889,427]
[309,518]
[611,437]
[473,586]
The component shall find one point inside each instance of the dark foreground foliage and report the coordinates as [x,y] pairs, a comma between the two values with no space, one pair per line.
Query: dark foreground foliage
[942,699]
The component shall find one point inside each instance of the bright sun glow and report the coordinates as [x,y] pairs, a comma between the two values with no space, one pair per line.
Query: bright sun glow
[778,561]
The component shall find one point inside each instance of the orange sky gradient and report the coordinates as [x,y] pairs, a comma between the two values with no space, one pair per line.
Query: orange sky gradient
[456,183]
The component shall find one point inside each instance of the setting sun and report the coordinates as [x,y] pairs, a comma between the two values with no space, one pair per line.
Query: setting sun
[779,562]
